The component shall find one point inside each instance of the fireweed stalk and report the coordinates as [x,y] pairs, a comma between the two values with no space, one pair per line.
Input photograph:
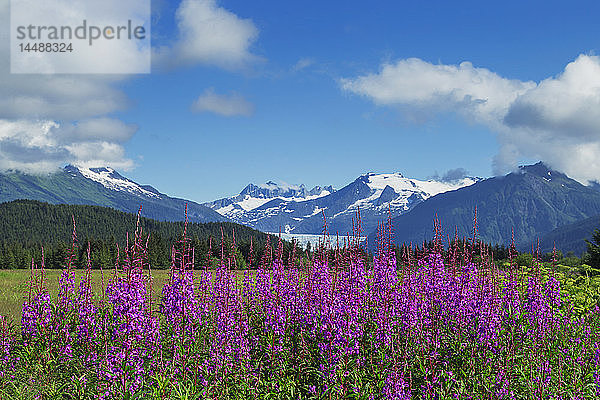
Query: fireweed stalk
[437,325]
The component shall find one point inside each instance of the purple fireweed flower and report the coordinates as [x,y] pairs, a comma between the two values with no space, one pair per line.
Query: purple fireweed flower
[335,325]
[37,316]
[396,388]
[133,333]
[596,362]
[179,304]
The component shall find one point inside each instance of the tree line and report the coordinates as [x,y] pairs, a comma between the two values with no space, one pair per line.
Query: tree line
[27,227]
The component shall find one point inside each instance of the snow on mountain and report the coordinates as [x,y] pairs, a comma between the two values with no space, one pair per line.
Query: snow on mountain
[524,206]
[111,179]
[254,196]
[397,192]
[292,209]
[103,187]
[399,183]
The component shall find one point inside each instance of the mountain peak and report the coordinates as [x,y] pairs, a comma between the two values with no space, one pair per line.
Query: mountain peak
[111,179]
[529,202]
[100,170]
[540,165]
[280,186]
[542,170]
[371,173]
[254,196]
[272,189]
[267,208]
[101,186]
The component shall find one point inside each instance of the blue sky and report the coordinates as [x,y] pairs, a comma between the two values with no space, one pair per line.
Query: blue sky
[320,92]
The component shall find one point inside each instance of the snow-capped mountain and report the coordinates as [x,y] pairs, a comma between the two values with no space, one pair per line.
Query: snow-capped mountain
[527,205]
[395,192]
[101,187]
[292,209]
[254,196]
[111,179]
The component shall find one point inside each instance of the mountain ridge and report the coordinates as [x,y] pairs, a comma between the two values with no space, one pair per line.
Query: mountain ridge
[570,237]
[102,187]
[532,201]
[375,195]
[28,227]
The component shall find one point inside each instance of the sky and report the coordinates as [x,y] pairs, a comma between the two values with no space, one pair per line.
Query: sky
[318,93]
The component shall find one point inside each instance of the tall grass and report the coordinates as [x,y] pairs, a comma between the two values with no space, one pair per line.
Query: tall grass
[433,327]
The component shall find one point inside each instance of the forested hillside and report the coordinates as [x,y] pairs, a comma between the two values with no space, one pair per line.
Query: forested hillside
[26,226]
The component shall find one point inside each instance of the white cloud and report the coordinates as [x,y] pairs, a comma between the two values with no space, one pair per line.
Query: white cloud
[49,120]
[225,105]
[92,154]
[556,120]
[42,146]
[59,96]
[103,56]
[477,92]
[209,34]
[303,63]
[568,103]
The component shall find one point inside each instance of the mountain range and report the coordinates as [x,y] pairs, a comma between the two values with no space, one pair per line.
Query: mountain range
[533,202]
[101,187]
[293,209]
[530,202]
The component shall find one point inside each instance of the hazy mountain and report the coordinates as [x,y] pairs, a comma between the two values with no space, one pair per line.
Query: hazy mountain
[570,237]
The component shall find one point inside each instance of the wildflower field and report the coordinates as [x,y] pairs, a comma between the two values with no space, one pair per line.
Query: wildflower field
[442,323]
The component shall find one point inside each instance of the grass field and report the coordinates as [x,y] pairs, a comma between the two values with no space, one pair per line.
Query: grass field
[14,287]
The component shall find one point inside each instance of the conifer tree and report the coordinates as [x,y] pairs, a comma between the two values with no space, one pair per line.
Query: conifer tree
[593,249]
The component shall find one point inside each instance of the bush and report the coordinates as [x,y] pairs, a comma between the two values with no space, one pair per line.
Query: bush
[524,260]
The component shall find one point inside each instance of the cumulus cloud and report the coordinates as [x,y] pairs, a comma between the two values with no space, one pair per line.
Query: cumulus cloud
[556,120]
[209,34]
[567,103]
[225,105]
[104,56]
[477,92]
[59,96]
[65,111]
[91,154]
[48,120]
[42,146]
